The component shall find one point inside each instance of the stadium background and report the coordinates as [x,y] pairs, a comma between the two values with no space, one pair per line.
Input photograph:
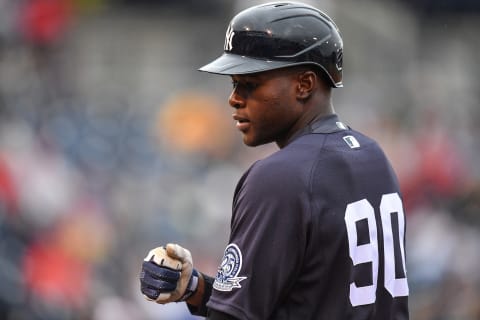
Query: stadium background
[111,143]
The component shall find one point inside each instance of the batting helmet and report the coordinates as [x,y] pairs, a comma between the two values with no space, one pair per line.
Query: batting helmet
[278,35]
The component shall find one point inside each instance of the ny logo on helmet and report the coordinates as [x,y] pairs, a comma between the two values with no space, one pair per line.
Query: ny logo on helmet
[228,39]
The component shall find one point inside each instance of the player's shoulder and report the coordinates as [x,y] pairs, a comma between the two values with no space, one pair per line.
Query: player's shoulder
[343,144]
[281,169]
[350,140]
[292,158]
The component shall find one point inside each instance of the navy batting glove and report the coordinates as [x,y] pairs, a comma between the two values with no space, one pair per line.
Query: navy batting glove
[156,280]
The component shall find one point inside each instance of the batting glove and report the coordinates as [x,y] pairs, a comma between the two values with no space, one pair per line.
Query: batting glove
[168,275]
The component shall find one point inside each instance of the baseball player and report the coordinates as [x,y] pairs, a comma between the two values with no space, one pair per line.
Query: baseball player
[318,227]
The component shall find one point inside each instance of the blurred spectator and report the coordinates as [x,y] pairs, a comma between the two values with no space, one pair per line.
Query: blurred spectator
[44,22]
[58,265]
[8,191]
[195,123]
[55,277]
[440,172]
[44,25]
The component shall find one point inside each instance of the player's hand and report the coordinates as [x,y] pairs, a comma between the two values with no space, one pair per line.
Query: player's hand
[159,275]
[168,275]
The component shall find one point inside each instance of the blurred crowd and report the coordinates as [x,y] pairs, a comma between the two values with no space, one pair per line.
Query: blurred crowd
[111,143]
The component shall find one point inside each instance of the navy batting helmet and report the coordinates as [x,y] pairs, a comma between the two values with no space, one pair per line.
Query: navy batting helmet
[278,35]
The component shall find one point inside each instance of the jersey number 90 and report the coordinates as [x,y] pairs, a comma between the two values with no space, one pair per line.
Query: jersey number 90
[362,252]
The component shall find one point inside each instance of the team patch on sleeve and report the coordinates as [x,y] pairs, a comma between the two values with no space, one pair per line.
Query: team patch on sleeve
[227,276]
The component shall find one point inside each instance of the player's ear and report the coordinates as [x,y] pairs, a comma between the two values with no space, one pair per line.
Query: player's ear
[306,83]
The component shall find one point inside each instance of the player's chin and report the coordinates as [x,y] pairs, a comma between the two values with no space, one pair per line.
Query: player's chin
[252,140]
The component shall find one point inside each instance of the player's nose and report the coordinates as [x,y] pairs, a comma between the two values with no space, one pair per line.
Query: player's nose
[235,100]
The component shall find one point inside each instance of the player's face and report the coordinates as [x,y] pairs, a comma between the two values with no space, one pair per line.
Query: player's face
[266,107]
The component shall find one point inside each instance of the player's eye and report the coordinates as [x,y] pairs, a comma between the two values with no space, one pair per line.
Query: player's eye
[245,86]
[250,86]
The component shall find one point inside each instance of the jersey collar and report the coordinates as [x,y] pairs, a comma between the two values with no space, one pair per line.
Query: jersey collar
[324,125]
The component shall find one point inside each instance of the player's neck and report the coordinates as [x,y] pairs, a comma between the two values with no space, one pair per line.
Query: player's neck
[318,107]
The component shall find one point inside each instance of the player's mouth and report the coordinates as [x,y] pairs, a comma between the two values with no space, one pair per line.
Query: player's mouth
[242,123]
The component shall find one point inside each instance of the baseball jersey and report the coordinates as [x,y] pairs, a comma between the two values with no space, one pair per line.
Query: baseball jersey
[317,232]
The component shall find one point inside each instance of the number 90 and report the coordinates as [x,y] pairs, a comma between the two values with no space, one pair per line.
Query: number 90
[369,252]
